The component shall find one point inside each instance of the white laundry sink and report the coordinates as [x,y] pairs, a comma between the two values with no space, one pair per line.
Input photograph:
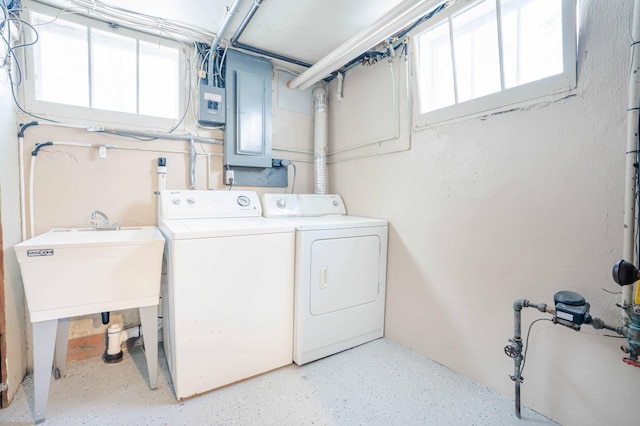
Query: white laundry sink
[76,271]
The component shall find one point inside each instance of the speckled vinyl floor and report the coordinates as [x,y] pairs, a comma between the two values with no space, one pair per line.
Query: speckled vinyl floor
[379,383]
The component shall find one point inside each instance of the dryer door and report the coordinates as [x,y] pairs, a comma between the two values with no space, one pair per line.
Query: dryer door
[344,273]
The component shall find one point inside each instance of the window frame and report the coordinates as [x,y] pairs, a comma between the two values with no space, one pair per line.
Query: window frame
[528,93]
[89,115]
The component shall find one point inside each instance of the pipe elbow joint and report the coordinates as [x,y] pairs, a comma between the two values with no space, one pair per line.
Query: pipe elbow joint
[518,304]
[25,126]
[39,147]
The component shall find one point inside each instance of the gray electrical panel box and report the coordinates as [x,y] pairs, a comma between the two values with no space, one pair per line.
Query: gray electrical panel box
[247,136]
[212,105]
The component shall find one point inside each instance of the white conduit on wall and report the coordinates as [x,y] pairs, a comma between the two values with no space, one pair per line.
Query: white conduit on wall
[632,155]
[320,140]
[96,129]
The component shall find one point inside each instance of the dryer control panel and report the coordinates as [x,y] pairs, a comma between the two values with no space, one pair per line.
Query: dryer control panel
[301,205]
[202,204]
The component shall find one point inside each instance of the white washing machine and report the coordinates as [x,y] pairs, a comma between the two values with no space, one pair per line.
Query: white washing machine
[340,273]
[227,296]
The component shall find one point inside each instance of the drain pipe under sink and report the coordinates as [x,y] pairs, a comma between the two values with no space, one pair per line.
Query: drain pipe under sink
[116,336]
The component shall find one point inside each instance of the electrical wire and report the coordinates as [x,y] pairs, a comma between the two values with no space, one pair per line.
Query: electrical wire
[11,50]
[154,24]
[526,344]
[9,16]
[188,104]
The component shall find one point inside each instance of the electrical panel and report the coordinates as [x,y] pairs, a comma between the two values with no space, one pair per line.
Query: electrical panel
[247,136]
[212,110]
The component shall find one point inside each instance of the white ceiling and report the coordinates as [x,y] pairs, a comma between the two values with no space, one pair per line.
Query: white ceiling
[306,30]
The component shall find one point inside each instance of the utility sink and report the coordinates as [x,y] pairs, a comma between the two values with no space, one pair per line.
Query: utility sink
[68,272]
[78,271]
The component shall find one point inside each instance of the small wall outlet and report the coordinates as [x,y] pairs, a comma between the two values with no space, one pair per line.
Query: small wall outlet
[228,177]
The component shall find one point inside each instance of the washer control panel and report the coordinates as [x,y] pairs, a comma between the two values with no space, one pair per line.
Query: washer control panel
[200,204]
[300,205]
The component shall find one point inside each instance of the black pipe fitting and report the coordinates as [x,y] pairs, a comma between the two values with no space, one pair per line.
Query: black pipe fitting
[39,146]
[24,127]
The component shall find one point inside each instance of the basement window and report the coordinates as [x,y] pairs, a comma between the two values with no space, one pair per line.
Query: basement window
[93,71]
[489,54]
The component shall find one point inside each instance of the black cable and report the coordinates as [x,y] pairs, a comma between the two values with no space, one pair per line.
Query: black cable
[186,109]
[31,27]
[526,344]
[13,93]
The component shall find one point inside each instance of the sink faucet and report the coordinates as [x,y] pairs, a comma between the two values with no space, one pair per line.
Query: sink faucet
[106,225]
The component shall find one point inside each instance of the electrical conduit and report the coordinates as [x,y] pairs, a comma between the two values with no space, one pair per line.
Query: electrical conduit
[81,145]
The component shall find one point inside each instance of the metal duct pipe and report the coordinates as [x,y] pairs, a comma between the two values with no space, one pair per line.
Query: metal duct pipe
[399,17]
[632,156]
[320,139]
[230,12]
[245,22]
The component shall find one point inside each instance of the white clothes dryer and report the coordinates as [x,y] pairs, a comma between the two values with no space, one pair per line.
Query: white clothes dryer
[227,296]
[340,273]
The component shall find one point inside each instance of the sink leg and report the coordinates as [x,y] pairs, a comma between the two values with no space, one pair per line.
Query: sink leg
[62,342]
[44,337]
[148,319]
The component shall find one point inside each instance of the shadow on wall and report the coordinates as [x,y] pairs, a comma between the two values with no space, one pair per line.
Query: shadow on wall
[411,298]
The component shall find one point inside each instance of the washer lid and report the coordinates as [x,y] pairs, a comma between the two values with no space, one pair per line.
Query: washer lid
[179,229]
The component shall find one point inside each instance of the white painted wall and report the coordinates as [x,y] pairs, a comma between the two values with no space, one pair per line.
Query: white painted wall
[9,203]
[488,210]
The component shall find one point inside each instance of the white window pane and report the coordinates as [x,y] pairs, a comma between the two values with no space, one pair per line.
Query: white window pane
[61,62]
[435,69]
[113,67]
[532,40]
[475,43]
[159,79]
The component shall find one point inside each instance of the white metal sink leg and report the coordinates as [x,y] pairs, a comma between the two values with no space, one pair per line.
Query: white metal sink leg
[62,342]
[148,320]
[44,338]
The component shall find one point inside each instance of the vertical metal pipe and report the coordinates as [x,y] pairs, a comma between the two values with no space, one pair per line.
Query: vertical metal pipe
[518,415]
[517,342]
[230,12]
[632,155]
